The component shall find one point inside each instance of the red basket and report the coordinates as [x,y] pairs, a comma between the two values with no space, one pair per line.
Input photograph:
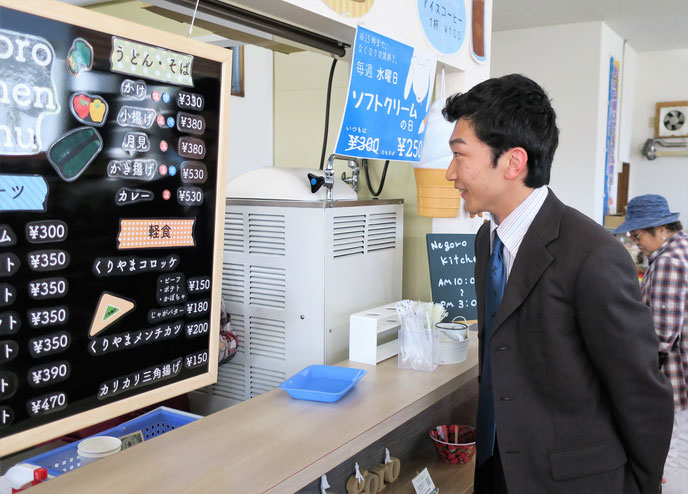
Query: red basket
[462,448]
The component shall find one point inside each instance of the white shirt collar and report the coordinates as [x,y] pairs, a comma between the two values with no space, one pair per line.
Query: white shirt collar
[515,226]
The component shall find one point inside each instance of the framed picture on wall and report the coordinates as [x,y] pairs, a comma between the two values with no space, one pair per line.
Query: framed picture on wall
[671,119]
[238,71]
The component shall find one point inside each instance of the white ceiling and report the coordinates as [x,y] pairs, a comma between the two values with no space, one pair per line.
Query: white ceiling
[646,24]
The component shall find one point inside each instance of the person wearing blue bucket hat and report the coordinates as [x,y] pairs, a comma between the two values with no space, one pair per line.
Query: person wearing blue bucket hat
[659,235]
[647,211]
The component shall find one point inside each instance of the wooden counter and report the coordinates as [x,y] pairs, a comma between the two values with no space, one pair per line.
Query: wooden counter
[271,443]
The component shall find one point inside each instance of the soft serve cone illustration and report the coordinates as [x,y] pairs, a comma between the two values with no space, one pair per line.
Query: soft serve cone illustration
[437,196]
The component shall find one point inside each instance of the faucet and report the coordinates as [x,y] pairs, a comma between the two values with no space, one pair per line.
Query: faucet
[353,179]
[328,180]
[329,176]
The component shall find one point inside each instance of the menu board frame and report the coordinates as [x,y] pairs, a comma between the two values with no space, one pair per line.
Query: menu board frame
[108,25]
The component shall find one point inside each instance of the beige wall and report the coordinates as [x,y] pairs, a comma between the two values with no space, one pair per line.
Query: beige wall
[300,95]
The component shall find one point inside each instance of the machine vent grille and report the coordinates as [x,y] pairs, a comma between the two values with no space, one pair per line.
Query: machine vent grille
[382,231]
[239,330]
[262,380]
[266,234]
[230,382]
[267,338]
[233,282]
[234,232]
[267,287]
[348,235]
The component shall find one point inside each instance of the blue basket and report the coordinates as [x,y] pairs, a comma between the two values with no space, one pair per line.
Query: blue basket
[322,382]
[151,424]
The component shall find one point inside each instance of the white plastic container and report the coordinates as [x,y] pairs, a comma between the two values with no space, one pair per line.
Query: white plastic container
[453,352]
[17,477]
[373,334]
[418,349]
[454,340]
[95,448]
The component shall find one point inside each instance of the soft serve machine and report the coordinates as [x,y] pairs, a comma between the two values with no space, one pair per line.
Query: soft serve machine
[301,254]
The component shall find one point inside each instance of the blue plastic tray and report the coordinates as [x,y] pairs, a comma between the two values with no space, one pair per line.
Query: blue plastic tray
[322,382]
[162,419]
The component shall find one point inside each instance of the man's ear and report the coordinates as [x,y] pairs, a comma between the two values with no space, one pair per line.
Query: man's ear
[518,164]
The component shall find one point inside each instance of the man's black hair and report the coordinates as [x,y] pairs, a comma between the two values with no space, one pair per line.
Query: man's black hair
[507,112]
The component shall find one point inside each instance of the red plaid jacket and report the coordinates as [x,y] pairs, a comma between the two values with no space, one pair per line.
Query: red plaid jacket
[665,290]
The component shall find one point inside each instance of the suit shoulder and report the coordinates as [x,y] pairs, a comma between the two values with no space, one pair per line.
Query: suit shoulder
[575,221]
[581,232]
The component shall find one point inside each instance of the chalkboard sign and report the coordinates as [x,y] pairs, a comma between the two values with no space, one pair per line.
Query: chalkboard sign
[452,273]
[112,152]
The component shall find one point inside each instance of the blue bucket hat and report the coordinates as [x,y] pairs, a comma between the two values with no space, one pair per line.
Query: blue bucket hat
[645,212]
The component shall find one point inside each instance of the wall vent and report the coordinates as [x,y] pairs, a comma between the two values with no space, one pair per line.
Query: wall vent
[267,287]
[231,382]
[234,232]
[382,231]
[266,234]
[267,338]
[348,235]
[233,280]
[262,380]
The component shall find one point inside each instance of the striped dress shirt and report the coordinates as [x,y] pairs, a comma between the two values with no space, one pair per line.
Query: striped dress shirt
[665,290]
[515,226]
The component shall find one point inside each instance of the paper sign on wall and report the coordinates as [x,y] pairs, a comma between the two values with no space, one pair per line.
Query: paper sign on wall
[444,23]
[389,94]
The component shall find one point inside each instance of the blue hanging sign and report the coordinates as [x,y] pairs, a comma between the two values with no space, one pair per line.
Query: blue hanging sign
[389,94]
[444,23]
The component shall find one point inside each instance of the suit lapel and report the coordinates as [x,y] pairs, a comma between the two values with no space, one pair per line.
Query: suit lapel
[532,258]
[482,254]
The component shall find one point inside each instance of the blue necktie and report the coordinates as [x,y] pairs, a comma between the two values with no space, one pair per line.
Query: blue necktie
[494,291]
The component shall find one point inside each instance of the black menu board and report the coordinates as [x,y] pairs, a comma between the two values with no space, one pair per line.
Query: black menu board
[451,257]
[112,152]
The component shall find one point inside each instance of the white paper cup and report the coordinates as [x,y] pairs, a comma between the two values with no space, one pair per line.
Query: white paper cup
[95,448]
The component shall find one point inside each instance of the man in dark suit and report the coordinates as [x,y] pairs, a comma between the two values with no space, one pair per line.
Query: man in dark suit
[571,397]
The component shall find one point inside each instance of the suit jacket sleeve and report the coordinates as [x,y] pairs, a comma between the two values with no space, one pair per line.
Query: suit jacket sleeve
[622,344]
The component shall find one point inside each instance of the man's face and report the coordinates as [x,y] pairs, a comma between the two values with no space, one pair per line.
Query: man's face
[471,170]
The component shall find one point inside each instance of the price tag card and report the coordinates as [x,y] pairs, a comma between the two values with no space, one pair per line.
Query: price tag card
[423,484]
